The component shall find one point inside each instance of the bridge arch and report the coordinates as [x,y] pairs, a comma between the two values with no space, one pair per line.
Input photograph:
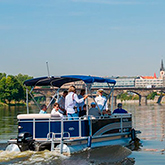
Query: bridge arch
[142,94]
[160,97]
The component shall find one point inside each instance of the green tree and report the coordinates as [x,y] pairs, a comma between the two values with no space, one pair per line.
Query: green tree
[123,96]
[2,75]
[3,95]
[11,88]
[152,95]
[21,78]
[5,89]
[127,96]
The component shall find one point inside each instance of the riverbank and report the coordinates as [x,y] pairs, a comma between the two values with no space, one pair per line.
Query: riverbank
[3,104]
[118,101]
[12,104]
[137,102]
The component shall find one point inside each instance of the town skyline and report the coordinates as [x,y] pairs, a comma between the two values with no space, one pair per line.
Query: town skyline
[162,68]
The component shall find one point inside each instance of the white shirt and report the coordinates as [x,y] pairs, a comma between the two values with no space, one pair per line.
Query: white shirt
[100,100]
[70,102]
[57,113]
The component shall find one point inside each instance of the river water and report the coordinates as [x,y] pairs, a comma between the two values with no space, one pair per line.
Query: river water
[149,119]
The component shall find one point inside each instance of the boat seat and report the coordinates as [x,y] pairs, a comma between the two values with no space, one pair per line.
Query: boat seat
[34,116]
[56,117]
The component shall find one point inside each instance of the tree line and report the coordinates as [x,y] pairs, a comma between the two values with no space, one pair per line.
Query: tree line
[12,89]
[130,96]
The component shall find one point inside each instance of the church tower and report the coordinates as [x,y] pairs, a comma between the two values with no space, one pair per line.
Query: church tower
[162,70]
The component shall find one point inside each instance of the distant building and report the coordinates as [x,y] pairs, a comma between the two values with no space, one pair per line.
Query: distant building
[164,81]
[149,81]
[120,82]
[162,71]
[137,82]
[125,81]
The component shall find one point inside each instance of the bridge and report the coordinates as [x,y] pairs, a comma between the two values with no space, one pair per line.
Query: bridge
[141,92]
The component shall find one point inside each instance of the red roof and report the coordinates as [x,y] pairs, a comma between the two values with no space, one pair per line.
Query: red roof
[149,77]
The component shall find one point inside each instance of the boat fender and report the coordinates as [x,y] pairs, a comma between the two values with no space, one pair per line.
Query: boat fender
[89,141]
[13,147]
[133,134]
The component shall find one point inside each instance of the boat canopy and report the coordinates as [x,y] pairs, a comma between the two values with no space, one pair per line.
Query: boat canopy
[59,81]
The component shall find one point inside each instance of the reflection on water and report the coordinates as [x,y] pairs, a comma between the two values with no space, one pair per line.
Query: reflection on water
[150,120]
[8,120]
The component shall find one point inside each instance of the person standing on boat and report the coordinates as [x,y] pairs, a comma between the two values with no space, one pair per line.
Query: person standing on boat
[71,101]
[81,105]
[61,103]
[119,109]
[55,111]
[101,101]
[43,109]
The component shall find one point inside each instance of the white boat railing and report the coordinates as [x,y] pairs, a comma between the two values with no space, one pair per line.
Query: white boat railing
[35,118]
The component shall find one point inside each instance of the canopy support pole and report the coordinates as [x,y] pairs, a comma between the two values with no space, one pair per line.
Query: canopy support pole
[33,97]
[58,94]
[51,100]
[86,92]
[111,92]
[95,101]
[112,100]
[27,101]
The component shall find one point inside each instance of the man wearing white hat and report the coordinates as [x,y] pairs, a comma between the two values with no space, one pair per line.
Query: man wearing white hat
[101,101]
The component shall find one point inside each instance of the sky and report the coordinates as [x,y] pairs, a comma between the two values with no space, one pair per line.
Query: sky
[87,37]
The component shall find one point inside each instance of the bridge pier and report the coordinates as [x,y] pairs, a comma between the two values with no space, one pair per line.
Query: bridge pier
[159,99]
[114,100]
[142,100]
